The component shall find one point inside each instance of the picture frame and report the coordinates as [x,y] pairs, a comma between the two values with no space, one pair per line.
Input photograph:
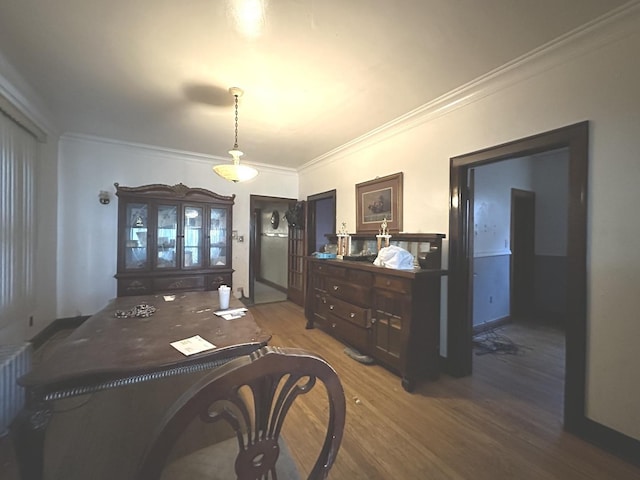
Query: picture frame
[378,199]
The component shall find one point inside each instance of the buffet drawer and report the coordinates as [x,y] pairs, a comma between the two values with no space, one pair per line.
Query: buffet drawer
[347,311]
[330,270]
[134,286]
[357,337]
[214,281]
[169,284]
[387,282]
[347,291]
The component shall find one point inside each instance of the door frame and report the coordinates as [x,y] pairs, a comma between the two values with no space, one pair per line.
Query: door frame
[460,322]
[255,202]
[311,215]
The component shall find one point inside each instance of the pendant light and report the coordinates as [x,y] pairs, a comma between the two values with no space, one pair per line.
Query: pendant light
[235,172]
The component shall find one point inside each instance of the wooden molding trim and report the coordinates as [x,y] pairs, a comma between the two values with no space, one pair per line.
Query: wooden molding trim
[54,327]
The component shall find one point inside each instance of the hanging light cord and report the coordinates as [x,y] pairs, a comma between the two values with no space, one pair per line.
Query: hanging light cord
[235,145]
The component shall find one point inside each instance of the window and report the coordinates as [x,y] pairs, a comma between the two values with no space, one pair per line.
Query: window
[18,153]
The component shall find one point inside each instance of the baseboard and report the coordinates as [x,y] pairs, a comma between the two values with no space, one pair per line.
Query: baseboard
[491,324]
[54,327]
[610,440]
[272,284]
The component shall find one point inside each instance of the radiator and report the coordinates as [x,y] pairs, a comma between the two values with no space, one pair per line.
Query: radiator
[15,361]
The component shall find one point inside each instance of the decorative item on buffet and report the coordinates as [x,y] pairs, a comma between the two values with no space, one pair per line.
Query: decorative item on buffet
[383,233]
[344,241]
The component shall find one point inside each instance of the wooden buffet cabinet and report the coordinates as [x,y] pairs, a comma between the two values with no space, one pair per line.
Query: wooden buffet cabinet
[391,315]
[172,238]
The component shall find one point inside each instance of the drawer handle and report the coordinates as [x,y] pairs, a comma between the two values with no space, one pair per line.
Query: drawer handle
[333,325]
[388,282]
[331,307]
[352,315]
[373,320]
[335,288]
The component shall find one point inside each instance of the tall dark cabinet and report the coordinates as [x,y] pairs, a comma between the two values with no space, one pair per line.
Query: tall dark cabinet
[172,238]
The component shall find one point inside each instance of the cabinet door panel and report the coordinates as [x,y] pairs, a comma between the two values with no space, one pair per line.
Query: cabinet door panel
[135,232]
[166,237]
[388,334]
[390,318]
[192,237]
[218,237]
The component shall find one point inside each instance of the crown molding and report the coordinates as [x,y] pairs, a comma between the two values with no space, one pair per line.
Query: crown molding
[19,108]
[163,152]
[610,27]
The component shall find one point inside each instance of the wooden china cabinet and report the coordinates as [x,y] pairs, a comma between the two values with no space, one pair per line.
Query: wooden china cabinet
[172,238]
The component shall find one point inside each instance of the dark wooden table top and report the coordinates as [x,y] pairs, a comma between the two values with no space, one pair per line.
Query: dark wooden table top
[106,347]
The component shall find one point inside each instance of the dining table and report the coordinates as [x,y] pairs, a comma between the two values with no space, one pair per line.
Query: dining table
[132,340]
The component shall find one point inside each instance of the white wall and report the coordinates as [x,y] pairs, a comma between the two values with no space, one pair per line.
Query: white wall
[593,76]
[87,230]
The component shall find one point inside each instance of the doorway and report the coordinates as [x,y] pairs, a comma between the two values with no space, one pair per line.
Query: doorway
[321,210]
[460,322]
[268,249]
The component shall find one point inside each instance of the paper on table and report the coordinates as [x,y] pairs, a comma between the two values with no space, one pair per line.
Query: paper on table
[231,316]
[192,345]
[234,311]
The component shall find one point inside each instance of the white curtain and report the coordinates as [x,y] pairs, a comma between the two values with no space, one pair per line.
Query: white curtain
[18,153]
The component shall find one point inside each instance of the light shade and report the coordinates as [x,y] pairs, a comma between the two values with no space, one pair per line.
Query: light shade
[235,172]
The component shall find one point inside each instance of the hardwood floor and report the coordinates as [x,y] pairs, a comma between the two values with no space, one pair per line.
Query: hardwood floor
[504,422]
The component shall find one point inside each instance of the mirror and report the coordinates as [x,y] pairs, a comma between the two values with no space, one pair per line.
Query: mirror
[275,219]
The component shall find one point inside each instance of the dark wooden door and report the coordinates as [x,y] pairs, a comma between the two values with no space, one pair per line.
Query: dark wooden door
[296,274]
[522,252]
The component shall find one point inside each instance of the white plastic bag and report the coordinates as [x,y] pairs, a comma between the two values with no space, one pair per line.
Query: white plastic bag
[394,257]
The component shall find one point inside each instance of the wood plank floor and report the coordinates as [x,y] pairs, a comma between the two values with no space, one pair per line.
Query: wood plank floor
[504,422]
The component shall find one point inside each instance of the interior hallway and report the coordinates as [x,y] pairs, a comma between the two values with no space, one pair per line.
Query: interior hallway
[263,293]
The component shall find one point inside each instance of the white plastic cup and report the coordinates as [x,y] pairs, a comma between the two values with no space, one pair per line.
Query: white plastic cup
[223,294]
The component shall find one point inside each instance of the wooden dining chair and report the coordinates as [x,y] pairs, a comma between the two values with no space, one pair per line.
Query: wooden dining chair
[253,394]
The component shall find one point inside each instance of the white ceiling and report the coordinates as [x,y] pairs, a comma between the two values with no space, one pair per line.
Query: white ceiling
[322,73]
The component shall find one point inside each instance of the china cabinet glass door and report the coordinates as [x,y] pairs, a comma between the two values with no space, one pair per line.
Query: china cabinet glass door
[192,249]
[218,237]
[135,237]
[167,235]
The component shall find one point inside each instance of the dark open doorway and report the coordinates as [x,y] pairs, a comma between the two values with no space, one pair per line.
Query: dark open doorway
[321,212]
[460,323]
[522,252]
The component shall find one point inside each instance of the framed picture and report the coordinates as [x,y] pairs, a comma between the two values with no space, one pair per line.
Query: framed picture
[377,200]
